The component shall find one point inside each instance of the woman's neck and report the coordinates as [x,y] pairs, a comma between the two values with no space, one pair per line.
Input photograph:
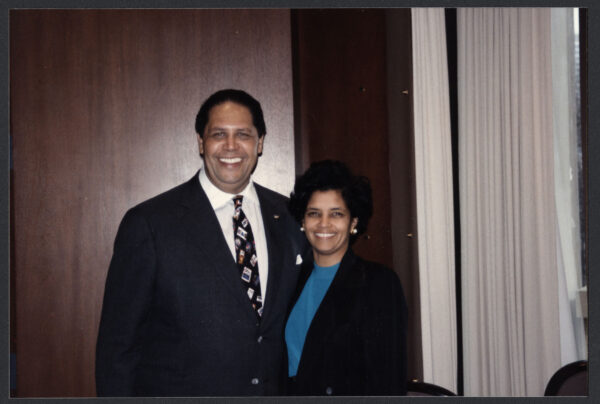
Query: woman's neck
[328,260]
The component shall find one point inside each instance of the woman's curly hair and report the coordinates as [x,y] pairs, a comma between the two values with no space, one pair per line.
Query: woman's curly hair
[334,175]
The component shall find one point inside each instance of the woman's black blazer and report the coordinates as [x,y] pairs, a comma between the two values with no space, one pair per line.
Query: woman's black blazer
[356,343]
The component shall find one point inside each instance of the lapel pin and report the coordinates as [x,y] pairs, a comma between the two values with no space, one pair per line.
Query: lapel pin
[276,217]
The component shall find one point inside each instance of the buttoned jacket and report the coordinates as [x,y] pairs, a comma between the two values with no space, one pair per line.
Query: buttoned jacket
[176,319]
[356,342]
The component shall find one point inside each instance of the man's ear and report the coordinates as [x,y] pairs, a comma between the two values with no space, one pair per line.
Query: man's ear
[200,145]
[261,140]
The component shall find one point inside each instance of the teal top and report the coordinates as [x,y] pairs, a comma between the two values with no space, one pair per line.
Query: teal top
[303,312]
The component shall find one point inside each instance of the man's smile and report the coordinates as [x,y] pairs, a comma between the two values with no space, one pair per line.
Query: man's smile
[230,160]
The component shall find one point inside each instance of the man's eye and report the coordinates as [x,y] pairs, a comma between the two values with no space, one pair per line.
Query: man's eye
[218,135]
[243,135]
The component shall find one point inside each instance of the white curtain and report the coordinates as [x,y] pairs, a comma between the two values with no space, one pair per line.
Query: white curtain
[511,334]
[435,220]
[572,335]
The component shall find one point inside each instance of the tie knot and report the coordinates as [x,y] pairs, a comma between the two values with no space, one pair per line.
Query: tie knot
[237,200]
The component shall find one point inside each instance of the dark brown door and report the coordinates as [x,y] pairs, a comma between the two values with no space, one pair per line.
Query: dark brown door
[352,80]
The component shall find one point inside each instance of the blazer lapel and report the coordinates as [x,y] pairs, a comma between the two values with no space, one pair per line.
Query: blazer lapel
[333,307]
[305,271]
[203,228]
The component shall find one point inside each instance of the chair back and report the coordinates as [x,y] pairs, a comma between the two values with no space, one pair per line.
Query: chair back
[416,388]
[570,380]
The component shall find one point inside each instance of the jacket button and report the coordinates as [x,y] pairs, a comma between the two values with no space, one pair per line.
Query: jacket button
[255,380]
[260,338]
[328,391]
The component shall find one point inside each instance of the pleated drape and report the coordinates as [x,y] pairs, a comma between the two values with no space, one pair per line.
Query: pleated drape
[435,212]
[511,335]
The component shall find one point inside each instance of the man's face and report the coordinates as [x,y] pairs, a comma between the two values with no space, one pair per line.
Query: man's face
[230,146]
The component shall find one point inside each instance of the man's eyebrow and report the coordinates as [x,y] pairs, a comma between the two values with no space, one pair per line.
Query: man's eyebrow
[226,128]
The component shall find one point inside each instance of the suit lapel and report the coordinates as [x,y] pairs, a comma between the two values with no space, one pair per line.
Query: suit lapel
[275,236]
[204,230]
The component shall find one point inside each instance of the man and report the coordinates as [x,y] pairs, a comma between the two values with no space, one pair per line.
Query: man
[198,285]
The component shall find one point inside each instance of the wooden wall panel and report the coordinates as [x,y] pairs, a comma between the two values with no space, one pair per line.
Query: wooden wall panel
[103,104]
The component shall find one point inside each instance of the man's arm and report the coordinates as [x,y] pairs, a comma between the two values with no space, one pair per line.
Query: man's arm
[127,297]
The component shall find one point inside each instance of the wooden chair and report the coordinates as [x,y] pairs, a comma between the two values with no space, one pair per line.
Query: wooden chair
[570,380]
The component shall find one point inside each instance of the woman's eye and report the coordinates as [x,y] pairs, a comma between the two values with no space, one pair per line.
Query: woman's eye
[312,214]
[337,214]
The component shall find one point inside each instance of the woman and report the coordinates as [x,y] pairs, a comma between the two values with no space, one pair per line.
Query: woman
[346,331]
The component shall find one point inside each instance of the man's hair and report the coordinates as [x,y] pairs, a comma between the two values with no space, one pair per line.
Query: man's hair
[334,175]
[237,96]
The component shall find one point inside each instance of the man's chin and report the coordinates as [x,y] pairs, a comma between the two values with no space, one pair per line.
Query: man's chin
[232,186]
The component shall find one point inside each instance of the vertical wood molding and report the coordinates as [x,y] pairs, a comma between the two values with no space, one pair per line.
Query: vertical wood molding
[402,175]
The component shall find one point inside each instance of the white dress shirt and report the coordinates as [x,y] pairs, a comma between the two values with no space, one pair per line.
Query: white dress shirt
[222,204]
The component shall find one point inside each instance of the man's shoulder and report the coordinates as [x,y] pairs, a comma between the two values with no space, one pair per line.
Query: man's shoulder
[279,207]
[169,198]
[270,195]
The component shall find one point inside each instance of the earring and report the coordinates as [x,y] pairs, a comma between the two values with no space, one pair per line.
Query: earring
[354,231]
[301,228]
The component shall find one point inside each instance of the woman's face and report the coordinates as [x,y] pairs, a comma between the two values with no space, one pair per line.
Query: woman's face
[328,224]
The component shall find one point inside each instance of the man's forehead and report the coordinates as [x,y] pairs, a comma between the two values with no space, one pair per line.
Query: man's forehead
[228,125]
[227,106]
[225,118]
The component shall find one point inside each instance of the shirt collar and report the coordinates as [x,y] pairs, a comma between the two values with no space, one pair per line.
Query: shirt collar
[219,198]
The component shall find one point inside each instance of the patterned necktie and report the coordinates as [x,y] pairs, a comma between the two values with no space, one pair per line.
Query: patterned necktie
[245,253]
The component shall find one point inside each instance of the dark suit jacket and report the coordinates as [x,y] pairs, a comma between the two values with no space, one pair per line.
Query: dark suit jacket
[176,320]
[356,343]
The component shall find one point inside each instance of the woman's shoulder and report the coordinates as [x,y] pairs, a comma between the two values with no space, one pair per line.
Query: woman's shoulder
[375,272]
[381,284]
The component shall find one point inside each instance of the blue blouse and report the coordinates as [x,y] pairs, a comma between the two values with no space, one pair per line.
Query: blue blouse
[303,312]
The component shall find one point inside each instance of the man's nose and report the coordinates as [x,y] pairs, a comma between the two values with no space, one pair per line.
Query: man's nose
[230,141]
